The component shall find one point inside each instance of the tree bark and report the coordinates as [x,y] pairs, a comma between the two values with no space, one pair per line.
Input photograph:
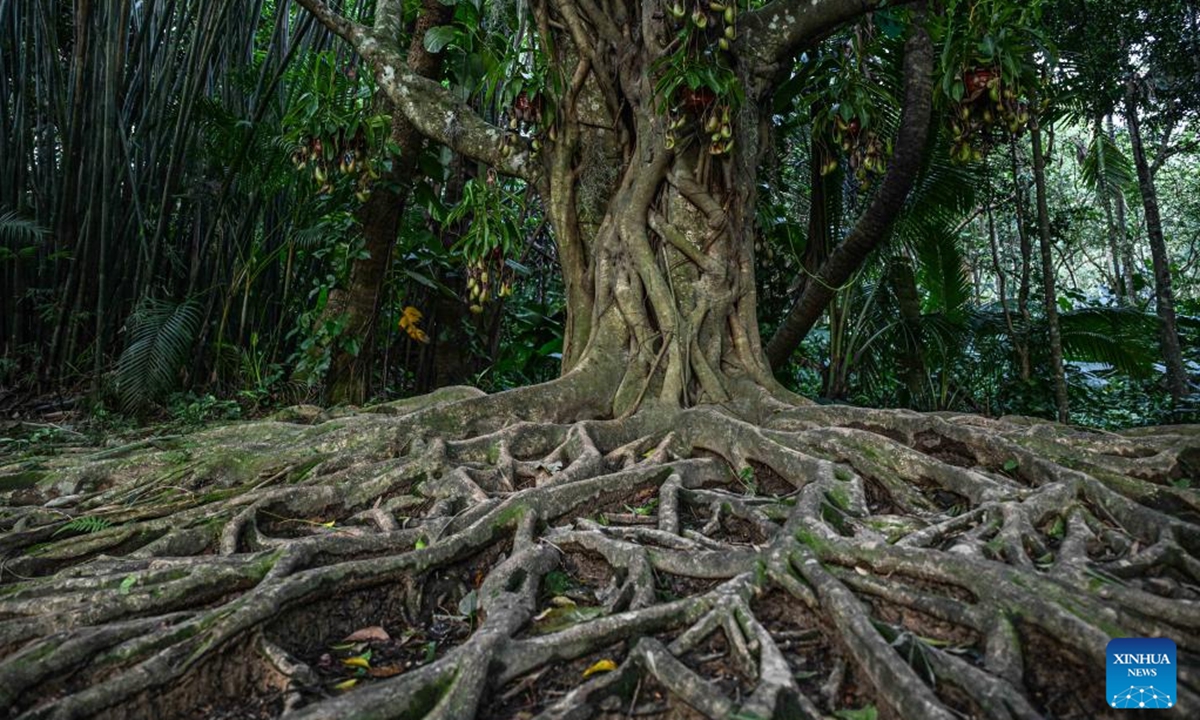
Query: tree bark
[1177,379]
[1049,275]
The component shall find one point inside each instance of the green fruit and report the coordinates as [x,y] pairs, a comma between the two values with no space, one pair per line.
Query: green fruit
[730,14]
[700,19]
[730,33]
[722,43]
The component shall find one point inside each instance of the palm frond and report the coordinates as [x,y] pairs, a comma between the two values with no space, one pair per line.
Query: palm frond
[1123,338]
[1104,165]
[161,337]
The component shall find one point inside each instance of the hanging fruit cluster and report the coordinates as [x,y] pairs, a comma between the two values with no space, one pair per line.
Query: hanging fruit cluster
[488,277]
[710,108]
[329,156]
[524,121]
[866,151]
[988,103]
[700,18]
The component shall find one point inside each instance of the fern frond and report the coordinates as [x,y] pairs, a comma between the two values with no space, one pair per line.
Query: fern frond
[84,525]
[161,336]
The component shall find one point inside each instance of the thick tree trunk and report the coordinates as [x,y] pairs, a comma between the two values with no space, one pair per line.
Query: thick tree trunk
[1177,379]
[1049,275]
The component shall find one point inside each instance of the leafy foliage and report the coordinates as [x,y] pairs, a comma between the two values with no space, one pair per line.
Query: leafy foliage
[161,337]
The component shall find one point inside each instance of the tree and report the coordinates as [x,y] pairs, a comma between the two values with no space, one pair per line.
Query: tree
[662,506]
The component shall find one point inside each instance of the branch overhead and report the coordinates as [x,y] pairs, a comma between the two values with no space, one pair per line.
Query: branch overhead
[778,31]
[432,109]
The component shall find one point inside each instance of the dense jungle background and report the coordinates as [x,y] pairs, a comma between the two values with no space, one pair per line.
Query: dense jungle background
[185,188]
[596,358]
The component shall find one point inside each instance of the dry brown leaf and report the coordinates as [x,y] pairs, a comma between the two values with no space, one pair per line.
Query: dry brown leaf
[374,633]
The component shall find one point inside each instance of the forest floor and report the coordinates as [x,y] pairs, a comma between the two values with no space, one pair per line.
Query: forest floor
[437,558]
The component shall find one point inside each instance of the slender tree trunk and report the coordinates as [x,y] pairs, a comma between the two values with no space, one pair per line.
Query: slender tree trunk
[1021,338]
[1177,380]
[1050,294]
[380,218]
[912,349]
[1106,192]
[1021,348]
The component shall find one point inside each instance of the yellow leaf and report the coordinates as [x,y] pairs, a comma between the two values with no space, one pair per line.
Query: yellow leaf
[601,667]
[346,684]
[358,661]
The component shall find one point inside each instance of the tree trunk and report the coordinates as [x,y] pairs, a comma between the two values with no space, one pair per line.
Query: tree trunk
[1115,232]
[875,225]
[912,346]
[380,218]
[1127,245]
[1049,275]
[1177,379]
[1021,339]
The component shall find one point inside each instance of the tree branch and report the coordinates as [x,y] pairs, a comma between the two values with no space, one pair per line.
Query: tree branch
[876,223]
[432,109]
[776,32]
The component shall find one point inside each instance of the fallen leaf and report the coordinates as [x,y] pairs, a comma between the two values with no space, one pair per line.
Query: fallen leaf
[386,671]
[374,633]
[602,666]
[357,661]
[861,570]
[560,618]
[561,601]
[346,684]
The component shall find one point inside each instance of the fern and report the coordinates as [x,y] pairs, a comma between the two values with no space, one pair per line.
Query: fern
[84,525]
[161,336]
[19,231]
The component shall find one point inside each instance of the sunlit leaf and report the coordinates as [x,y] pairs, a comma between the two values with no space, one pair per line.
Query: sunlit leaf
[602,666]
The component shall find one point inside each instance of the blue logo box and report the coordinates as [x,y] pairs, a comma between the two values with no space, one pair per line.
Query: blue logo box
[1141,674]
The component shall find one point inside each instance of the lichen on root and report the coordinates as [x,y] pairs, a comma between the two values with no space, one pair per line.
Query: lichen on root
[767,560]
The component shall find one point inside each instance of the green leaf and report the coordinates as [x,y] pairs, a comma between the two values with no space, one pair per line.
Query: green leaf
[127,584]
[560,618]
[1011,465]
[84,525]
[438,37]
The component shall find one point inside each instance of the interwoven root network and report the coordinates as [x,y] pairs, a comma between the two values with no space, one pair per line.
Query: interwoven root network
[786,562]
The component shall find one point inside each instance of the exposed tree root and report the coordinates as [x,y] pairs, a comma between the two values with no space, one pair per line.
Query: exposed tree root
[771,561]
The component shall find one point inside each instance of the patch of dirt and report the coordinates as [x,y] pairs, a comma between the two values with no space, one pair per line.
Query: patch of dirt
[1061,685]
[527,696]
[770,483]
[948,451]
[233,684]
[812,657]
[710,659]
[879,500]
